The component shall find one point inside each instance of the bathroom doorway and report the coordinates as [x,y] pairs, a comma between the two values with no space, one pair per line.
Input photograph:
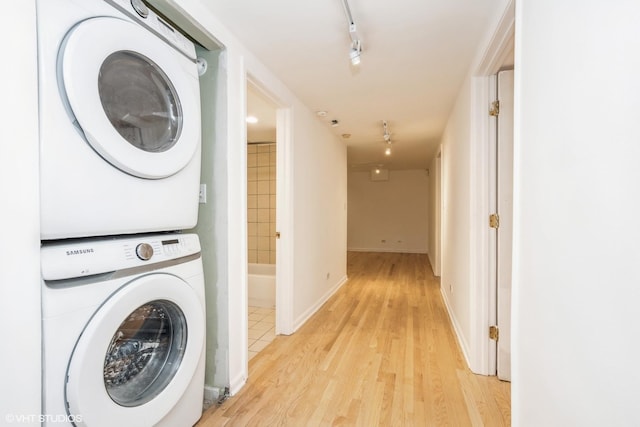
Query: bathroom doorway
[261,218]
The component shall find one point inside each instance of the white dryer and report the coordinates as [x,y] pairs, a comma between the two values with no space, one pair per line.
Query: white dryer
[123,324]
[119,120]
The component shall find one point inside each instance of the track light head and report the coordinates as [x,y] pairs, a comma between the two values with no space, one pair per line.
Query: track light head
[386,134]
[354,52]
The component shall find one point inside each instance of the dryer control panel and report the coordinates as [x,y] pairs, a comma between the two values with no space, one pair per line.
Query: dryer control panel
[87,257]
[139,12]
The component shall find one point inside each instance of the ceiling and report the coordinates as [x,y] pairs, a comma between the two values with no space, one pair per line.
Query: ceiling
[263,109]
[415,56]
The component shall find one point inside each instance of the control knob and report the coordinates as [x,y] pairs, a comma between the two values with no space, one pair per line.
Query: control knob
[144,251]
[140,8]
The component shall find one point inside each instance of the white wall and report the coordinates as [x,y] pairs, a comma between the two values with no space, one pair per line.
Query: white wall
[20,251]
[456,281]
[320,214]
[212,219]
[576,314]
[388,216]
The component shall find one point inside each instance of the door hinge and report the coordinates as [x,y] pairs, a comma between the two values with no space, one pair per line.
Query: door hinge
[494,111]
[494,221]
[494,333]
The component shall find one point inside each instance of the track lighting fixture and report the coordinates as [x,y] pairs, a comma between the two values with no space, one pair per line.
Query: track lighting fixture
[387,138]
[356,43]
[386,134]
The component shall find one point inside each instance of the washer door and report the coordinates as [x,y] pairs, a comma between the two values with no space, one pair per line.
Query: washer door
[137,355]
[135,97]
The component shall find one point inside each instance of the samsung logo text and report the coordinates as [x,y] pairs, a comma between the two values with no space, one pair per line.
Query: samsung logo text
[80,251]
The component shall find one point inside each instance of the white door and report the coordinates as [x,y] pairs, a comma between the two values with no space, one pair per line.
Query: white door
[134,97]
[505,213]
[138,353]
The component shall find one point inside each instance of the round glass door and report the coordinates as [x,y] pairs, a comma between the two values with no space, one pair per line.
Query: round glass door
[136,100]
[145,353]
[140,101]
[138,353]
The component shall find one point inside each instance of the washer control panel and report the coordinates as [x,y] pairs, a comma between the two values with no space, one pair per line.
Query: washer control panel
[86,257]
[144,251]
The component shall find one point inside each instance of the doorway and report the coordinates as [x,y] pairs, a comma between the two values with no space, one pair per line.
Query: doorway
[437,214]
[262,186]
[501,200]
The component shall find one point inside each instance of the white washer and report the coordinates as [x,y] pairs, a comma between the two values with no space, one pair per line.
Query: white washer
[119,120]
[123,323]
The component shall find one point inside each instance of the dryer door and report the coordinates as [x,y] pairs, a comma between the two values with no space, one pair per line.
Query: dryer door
[138,353]
[135,97]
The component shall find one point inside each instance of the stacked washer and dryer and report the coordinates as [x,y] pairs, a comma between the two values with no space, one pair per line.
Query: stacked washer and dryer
[123,313]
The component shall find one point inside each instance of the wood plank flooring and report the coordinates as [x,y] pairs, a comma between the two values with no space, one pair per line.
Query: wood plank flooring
[380,352]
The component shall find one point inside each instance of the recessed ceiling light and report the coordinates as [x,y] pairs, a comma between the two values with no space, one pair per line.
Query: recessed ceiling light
[346,135]
[321,113]
[387,152]
[252,119]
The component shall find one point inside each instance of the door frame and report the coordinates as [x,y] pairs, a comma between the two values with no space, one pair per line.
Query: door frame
[436,259]
[284,214]
[503,192]
[483,309]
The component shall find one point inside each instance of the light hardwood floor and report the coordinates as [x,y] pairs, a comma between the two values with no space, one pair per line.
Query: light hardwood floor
[381,352]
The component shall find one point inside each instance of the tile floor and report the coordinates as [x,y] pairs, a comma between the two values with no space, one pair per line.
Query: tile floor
[262,328]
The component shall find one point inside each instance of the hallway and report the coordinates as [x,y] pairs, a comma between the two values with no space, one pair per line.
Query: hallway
[381,351]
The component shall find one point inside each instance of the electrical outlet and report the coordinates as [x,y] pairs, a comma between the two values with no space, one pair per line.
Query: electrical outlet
[203,193]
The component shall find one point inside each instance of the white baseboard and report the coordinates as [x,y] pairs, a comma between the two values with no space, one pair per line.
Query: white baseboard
[311,310]
[237,383]
[396,251]
[456,328]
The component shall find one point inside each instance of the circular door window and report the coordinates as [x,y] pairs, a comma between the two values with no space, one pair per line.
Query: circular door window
[138,353]
[140,101]
[145,353]
[136,99]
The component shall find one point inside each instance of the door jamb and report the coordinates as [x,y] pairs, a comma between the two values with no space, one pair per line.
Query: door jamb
[501,44]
